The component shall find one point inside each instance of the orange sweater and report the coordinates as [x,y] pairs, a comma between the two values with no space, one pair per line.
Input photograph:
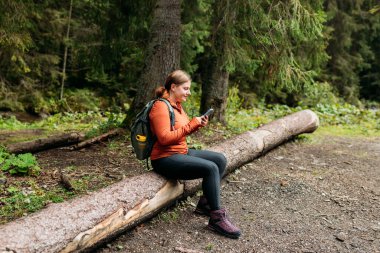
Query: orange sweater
[170,142]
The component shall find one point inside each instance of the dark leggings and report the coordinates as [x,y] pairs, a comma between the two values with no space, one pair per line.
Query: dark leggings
[204,164]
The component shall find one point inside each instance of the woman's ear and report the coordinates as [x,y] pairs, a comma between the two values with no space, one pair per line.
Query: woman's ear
[172,86]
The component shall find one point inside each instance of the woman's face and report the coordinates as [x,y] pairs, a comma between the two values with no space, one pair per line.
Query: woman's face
[181,92]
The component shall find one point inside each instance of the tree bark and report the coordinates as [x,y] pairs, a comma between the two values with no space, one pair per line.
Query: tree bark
[216,77]
[45,143]
[66,50]
[215,92]
[84,222]
[163,53]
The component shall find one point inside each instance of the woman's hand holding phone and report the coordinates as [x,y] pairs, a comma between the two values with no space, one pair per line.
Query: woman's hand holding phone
[204,118]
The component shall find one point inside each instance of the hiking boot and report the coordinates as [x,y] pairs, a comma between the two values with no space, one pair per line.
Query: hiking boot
[203,207]
[221,224]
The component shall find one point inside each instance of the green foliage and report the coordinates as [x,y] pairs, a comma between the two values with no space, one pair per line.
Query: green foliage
[319,93]
[106,50]
[277,50]
[302,138]
[195,31]
[338,117]
[19,164]
[234,102]
[82,100]
[74,121]
[27,196]
[112,121]
[173,214]
[19,203]
[348,115]
[295,47]
[192,104]
[11,123]
[354,49]
[209,247]
[169,216]
[66,121]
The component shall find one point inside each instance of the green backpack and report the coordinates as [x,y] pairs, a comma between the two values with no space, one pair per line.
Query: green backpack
[142,137]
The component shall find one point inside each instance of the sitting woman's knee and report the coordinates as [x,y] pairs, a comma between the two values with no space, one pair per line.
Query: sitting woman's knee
[221,161]
[212,168]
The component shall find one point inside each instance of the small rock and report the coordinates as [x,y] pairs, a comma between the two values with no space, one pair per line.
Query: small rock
[284,183]
[164,243]
[341,236]
[376,228]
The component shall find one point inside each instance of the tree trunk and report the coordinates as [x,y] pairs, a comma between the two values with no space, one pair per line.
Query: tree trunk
[215,78]
[163,53]
[84,222]
[45,143]
[99,138]
[215,93]
[66,50]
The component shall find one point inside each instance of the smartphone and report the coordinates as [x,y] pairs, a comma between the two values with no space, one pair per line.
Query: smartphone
[209,112]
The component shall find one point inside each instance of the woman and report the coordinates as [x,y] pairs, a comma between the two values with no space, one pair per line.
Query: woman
[171,158]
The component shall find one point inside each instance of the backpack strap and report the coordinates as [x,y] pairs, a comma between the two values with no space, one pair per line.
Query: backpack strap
[171,112]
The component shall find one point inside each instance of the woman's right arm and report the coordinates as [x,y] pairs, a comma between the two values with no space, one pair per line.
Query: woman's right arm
[160,123]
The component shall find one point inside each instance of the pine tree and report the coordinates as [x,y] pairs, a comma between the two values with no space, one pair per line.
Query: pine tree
[353,48]
[275,48]
[288,48]
[370,49]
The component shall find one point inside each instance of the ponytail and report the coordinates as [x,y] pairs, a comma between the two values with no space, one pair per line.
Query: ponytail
[160,91]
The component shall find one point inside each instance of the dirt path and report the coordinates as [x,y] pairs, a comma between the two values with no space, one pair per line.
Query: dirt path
[301,197]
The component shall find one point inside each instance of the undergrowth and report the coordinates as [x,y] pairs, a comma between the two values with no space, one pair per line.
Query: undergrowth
[18,164]
[336,119]
[92,123]
[23,197]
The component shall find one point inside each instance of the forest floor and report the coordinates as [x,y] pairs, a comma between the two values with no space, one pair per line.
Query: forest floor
[316,196]
[319,194]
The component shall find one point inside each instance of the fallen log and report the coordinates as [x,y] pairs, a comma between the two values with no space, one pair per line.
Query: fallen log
[82,223]
[99,138]
[45,143]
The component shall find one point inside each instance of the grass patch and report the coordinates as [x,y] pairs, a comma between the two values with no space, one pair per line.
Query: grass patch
[169,216]
[91,122]
[354,131]
[24,197]
[172,214]
[338,119]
